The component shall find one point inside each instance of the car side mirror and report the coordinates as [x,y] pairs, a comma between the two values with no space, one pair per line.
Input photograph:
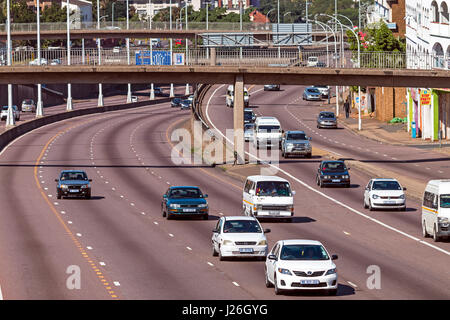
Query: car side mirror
[334,257]
[348,169]
[272,257]
[90,180]
[267,230]
[205,196]
[309,138]
[215,231]
[293,192]
[165,196]
[404,189]
[56,180]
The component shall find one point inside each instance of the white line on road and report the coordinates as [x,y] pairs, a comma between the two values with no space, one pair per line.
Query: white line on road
[189,248]
[117,283]
[352,284]
[1,294]
[236,284]
[212,265]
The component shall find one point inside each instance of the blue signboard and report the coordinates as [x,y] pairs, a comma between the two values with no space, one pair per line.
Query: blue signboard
[157,58]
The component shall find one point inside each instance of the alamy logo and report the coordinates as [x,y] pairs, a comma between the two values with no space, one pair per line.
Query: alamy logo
[74,280]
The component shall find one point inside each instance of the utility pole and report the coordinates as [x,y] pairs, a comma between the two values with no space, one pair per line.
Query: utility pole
[128,55]
[10,120]
[100,88]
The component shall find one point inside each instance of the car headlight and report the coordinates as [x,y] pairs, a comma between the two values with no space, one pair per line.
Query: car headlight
[443,220]
[284,271]
[346,176]
[331,271]
[64,186]
[374,196]
[402,196]
[262,243]
[203,205]
[84,186]
[174,205]
[227,243]
[289,145]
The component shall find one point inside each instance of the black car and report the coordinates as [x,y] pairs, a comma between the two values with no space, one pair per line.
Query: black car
[185,104]
[333,172]
[158,91]
[176,102]
[249,116]
[73,183]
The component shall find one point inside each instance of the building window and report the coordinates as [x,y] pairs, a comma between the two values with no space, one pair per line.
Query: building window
[435,12]
[444,13]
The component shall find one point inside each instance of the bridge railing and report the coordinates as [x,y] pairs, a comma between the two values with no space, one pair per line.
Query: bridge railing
[142,25]
[269,57]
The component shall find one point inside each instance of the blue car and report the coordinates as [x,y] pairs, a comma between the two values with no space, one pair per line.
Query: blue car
[312,93]
[73,183]
[184,201]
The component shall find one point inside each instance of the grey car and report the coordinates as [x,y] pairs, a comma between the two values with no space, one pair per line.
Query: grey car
[326,119]
[185,104]
[73,183]
[176,102]
[271,87]
[324,91]
[296,143]
[28,105]
[312,93]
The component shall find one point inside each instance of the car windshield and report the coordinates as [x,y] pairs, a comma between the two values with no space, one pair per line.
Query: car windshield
[248,115]
[334,166]
[296,136]
[241,226]
[326,115]
[313,90]
[269,128]
[248,127]
[6,107]
[273,189]
[303,252]
[28,101]
[445,200]
[186,101]
[182,193]
[176,100]
[386,185]
[73,176]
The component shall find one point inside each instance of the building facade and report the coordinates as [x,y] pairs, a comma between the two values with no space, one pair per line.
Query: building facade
[428,45]
[393,13]
[82,9]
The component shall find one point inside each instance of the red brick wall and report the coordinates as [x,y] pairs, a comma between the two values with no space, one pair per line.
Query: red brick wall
[390,103]
[398,15]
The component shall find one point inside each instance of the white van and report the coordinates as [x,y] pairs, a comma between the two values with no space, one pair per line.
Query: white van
[312,61]
[230,96]
[267,132]
[268,197]
[436,209]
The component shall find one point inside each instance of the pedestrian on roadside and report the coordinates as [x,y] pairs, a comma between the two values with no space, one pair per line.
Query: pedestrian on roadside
[347,108]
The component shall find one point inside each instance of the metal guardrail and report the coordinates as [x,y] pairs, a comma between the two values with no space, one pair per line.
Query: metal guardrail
[143,25]
[269,57]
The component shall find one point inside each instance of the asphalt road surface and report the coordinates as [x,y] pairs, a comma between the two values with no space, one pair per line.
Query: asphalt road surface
[125,249]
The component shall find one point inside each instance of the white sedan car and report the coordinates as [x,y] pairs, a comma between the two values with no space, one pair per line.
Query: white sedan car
[239,236]
[301,265]
[384,194]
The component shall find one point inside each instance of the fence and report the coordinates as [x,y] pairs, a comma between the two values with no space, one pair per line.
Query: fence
[269,57]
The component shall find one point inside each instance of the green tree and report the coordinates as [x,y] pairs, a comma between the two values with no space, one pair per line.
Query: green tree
[54,13]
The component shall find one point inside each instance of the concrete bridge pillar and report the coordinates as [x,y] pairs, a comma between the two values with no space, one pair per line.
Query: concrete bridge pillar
[238,119]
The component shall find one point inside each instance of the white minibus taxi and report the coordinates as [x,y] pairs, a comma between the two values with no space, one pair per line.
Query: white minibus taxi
[268,197]
[436,209]
[267,132]
[230,97]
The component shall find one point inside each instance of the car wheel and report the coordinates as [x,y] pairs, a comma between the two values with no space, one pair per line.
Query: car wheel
[370,206]
[332,292]
[205,217]
[277,290]
[221,258]
[58,195]
[365,204]
[321,183]
[169,216]
[268,283]
[214,252]
[436,237]
[317,180]
[347,185]
[309,155]
[88,196]
[424,230]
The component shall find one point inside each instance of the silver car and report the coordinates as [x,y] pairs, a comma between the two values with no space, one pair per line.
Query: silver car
[324,90]
[311,93]
[272,87]
[296,143]
[248,131]
[326,119]
[4,113]
[28,105]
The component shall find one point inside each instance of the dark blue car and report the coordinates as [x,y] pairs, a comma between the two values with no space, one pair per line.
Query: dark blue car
[333,172]
[73,183]
[184,201]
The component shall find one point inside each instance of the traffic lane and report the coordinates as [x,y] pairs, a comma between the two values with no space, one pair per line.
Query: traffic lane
[36,249]
[248,274]
[414,162]
[128,239]
[214,112]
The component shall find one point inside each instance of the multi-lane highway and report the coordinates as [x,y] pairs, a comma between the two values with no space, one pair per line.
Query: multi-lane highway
[125,249]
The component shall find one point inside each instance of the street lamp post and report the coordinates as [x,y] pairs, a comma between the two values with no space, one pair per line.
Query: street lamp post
[69,106]
[100,88]
[39,104]
[152,89]
[10,120]
[112,13]
[171,93]
[278,28]
[128,54]
[187,91]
